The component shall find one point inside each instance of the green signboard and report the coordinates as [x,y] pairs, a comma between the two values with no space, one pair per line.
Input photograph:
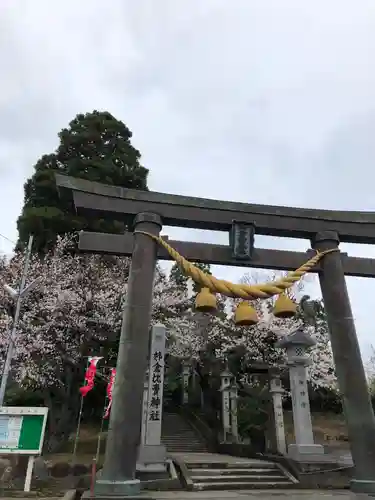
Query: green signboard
[22,429]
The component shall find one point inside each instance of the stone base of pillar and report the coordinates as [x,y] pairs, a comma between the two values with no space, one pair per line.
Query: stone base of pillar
[362,490]
[305,452]
[107,489]
[152,458]
[87,495]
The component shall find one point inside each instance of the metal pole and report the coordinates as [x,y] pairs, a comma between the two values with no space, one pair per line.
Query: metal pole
[77,432]
[8,361]
[101,429]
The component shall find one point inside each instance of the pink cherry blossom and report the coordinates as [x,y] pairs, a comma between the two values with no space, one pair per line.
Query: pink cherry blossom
[78,305]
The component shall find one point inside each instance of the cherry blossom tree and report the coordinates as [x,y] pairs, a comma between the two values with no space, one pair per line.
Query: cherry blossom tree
[68,317]
[370,370]
[219,339]
[74,313]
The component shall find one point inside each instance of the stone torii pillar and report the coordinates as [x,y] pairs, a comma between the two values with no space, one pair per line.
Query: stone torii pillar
[144,408]
[124,432]
[348,364]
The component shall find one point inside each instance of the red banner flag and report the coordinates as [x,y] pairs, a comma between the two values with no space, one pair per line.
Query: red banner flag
[109,391]
[90,376]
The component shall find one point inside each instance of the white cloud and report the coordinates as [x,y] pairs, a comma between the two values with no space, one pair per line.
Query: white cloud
[262,101]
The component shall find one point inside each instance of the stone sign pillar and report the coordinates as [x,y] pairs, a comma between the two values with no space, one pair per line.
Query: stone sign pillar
[277,392]
[152,454]
[186,366]
[296,344]
[233,411]
[145,408]
[226,379]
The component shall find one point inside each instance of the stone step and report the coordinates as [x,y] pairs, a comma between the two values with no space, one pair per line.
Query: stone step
[232,465]
[180,432]
[242,485]
[178,444]
[194,439]
[185,445]
[171,432]
[171,429]
[174,439]
[174,452]
[177,423]
[193,448]
[179,451]
[235,472]
[240,478]
[182,441]
[180,436]
[182,426]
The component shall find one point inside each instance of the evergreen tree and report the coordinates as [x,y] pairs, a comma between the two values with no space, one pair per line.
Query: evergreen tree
[96,146]
[181,280]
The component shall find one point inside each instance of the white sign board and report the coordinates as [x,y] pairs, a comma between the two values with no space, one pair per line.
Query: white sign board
[155,386]
[22,433]
[22,430]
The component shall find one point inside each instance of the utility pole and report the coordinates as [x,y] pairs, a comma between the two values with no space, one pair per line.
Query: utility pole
[20,294]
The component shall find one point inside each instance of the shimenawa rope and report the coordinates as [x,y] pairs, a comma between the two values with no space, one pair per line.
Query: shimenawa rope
[240,290]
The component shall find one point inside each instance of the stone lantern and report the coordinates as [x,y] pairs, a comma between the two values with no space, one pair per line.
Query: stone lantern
[233,395]
[297,344]
[186,370]
[277,392]
[226,383]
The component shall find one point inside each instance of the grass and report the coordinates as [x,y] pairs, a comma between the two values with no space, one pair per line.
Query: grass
[327,428]
[86,447]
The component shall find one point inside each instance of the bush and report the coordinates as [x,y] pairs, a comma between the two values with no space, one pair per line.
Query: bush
[16,396]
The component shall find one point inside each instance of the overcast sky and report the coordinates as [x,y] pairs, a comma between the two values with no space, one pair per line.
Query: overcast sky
[266,101]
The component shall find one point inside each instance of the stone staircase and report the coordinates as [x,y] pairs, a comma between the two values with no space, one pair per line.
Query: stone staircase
[209,471]
[179,437]
[230,473]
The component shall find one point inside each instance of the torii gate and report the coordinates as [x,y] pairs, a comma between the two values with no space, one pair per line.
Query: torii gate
[146,212]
